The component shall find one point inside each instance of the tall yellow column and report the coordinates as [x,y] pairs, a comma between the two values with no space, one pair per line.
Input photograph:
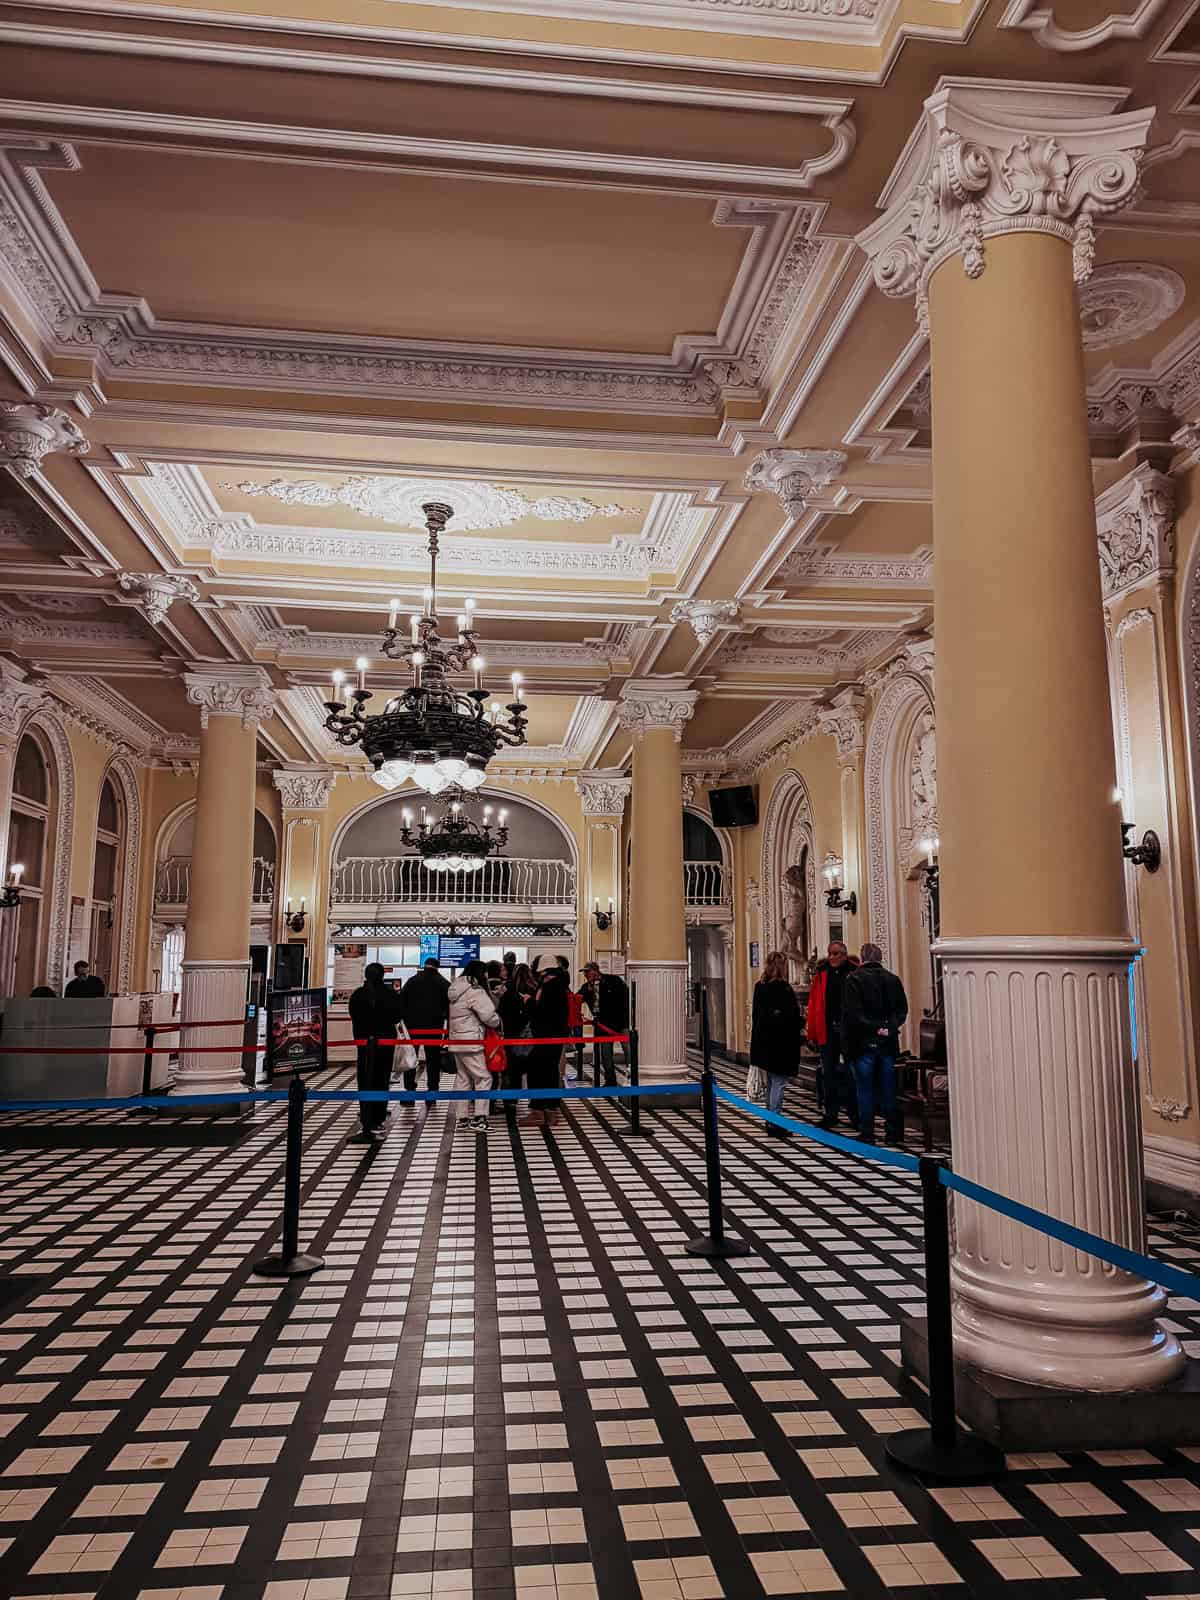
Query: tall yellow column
[603,795]
[655,711]
[233,701]
[991,208]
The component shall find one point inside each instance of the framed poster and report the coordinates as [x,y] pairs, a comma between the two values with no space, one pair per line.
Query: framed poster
[349,962]
[754,954]
[295,1030]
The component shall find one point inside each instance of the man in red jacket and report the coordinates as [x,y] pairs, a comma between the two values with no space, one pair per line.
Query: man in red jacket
[835,1086]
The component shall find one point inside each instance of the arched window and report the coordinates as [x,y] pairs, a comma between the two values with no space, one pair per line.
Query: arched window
[106,881]
[29,826]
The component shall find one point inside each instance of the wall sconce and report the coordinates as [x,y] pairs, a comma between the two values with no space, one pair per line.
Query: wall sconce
[834,898]
[929,866]
[1148,854]
[604,918]
[10,895]
[295,919]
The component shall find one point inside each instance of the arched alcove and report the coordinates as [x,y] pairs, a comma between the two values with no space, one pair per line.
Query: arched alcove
[794,918]
[40,950]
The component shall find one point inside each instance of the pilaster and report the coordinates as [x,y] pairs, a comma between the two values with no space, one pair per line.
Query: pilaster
[604,796]
[304,797]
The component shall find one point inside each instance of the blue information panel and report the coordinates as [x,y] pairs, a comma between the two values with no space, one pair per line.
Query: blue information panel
[455,950]
[430,947]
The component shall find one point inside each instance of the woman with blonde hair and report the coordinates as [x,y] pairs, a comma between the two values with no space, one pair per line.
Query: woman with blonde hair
[775,1033]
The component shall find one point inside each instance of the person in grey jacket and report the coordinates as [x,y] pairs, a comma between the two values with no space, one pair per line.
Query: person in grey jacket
[874,1008]
[471,1012]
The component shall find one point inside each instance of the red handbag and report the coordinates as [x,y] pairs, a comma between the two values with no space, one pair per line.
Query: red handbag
[493,1051]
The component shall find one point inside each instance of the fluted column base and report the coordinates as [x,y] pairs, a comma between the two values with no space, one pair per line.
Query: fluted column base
[211,991]
[1044,1107]
[661,1019]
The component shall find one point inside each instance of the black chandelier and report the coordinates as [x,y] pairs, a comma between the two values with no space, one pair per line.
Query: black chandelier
[433,732]
[455,842]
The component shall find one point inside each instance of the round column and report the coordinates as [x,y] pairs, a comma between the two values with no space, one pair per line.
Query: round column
[656,713]
[1035,943]
[216,962]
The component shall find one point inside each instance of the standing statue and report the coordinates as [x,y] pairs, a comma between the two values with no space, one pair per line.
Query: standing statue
[795,914]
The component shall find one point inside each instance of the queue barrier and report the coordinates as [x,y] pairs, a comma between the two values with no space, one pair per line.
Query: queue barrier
[943,1452]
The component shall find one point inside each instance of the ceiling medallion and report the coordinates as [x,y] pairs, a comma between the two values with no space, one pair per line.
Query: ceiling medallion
[438,735]
[480,507]
[1124,300]
[455,842]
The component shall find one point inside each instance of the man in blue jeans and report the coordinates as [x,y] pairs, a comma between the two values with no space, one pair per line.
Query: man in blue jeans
[874,1009]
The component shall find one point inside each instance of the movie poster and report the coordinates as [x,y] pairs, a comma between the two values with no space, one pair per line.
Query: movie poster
[295,1030]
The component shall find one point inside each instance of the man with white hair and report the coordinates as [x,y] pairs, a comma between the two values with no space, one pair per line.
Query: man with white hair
[874,1009]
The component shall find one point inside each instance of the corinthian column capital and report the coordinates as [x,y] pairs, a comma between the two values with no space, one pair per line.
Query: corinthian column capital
[990,157]
[603,793]
[1135,526]
[18,697]
[656,703]
[304,788]
[232,691]
[844,720]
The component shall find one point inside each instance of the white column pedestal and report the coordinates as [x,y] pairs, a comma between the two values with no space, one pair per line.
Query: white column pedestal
[661,1020]
[211,991]
[1044,1107]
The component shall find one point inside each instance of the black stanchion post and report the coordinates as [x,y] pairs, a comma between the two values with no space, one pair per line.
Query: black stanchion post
[716,1244]
[943,1454]
[633,1125]
[289,1263]
[148,1060]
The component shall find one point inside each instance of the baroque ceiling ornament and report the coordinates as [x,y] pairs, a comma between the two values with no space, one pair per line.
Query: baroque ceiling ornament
[30,432]
[399,501]
[705,617]
[1124,300]
[154,593]
[795,476]
[1003,158]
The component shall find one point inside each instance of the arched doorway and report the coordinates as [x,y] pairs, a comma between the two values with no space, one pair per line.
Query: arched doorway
[41,825]
[794,916]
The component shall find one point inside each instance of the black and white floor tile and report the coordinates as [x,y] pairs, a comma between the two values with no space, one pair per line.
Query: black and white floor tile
[508,1382]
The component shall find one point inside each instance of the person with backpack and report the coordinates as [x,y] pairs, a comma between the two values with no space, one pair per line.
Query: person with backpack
[874,1009]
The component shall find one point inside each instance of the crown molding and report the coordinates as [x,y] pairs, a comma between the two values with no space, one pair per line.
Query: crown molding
[820,566]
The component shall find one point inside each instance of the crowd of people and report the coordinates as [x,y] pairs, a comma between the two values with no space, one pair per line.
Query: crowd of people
[856,1008]
[498,1013]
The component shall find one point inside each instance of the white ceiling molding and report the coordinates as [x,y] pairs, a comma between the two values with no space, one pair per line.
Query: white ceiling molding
[1171,383]
[1039,21]
[673,529]
[747,654]
[820,566]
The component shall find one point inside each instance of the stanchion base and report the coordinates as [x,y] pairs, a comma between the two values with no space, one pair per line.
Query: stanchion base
[713,1250]
[293,1267]
[967,1460]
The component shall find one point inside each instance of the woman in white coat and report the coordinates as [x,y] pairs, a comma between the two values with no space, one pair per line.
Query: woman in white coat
[471,1011]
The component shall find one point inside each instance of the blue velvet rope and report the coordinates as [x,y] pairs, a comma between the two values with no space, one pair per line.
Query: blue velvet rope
[835,1141]
[406,1096]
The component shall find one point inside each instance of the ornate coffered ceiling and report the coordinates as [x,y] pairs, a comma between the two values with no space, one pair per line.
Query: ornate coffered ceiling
[286,281]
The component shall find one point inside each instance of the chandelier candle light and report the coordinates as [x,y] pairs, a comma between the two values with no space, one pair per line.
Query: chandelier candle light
[433,732]
[456,842]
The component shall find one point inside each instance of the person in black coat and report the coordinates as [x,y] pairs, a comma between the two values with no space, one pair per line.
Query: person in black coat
[425,1008]
[85,985]
[549,1017]
[607,997]
[775,1033]
[874,1008]
[374,1014]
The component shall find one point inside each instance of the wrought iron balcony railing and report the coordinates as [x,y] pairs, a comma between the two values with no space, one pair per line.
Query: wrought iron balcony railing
[172,881]
[501,881]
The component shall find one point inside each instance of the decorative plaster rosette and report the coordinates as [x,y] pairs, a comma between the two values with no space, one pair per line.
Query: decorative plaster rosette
[399,501]
[1126,299]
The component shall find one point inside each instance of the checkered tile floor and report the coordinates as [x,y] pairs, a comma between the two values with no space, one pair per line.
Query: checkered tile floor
[508,1381]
